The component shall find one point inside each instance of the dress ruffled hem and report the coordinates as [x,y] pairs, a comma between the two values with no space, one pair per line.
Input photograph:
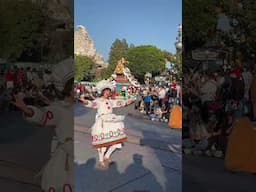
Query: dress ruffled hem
[110,143]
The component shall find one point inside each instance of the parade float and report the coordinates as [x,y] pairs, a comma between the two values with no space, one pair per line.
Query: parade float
[124,81]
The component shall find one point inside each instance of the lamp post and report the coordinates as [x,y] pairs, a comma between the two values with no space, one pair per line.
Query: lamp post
[178,45]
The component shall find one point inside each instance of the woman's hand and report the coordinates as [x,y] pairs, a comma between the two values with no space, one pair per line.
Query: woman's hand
[81,98]
[44,99]
[21,105]
[19,102]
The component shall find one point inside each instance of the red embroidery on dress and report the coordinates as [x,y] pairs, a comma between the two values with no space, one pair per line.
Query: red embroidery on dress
[94,104]
[66,163]
[51,189]
[94,138]
[119,103]
[102,136]
[111,133]
[67,188]
[48,116]
[118,132]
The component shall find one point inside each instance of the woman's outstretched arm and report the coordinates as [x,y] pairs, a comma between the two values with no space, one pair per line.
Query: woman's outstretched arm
[46,116]
[87,103]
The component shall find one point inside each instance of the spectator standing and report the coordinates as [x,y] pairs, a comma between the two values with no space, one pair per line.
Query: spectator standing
[47,78]
[147,100]
[161,95]
[247,78]
[29,75]
[9,78]
[207,94]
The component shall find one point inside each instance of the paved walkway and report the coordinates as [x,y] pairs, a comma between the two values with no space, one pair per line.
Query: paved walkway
[208,174]
[24,150]
[137,168]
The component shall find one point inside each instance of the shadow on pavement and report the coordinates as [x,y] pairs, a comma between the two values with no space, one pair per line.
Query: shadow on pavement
[195,168]
[170,159]
[134,179]
[13,128]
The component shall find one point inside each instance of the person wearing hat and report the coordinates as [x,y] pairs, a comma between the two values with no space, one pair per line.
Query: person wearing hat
[57,175]
[108,131]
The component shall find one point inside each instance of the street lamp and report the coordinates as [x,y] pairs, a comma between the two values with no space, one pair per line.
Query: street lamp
[178,43]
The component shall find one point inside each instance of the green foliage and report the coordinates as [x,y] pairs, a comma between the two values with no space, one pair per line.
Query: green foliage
[83,68]
[176,59]
[118,50]
[199,22]
[143,59]
[247,20]
[20,27]
[105,74]
[245,29]
[178,64]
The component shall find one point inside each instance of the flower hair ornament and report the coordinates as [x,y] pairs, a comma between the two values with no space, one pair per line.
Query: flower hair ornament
[105,84]
[63,72]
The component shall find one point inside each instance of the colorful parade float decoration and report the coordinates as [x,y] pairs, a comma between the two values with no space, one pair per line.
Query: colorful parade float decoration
[124,80]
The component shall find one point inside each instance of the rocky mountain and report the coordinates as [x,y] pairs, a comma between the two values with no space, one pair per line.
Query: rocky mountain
[84,45]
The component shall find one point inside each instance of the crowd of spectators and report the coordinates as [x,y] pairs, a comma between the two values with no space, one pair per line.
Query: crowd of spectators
[156,101]
[36,87]
[152,100]
[211,103]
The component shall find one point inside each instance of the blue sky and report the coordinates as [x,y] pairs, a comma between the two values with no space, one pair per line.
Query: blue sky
[140,22]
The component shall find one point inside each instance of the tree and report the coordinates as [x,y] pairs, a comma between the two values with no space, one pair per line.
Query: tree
[176,59]
[118,50]
[143,59]
[21,25]
[83,68]
[132,45]
[199,22]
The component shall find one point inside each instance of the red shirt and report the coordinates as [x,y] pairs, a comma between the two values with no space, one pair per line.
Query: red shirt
[9,76]
[174,85]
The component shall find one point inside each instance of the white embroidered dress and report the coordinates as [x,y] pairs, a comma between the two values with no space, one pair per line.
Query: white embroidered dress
[108,128]
[57,175]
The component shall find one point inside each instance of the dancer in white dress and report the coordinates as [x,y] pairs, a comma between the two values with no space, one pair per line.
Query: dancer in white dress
[57,175]
[108,129]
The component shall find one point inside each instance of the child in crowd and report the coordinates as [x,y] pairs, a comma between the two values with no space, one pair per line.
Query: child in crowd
[157,115]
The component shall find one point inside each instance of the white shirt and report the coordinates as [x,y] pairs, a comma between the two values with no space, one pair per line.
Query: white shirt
[29,76]
[35,76]
[47,79]
[247,77]
[178,88]
[208,91]
[162,94]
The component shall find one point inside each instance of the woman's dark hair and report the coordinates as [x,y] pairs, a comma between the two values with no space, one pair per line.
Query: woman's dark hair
[66,91]
[104,90]
[68,88]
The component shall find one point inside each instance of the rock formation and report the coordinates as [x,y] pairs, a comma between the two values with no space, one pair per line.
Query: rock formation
[83,45]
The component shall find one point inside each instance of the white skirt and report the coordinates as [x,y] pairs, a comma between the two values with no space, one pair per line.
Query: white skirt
[107,131]
[58,172]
